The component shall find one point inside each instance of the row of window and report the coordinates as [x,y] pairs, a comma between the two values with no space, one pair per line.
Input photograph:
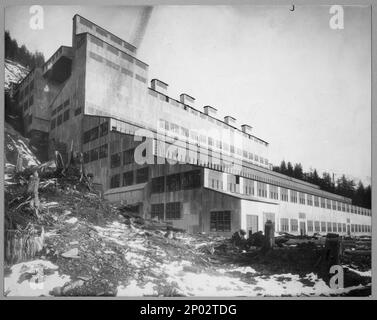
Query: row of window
[220,221]
[294,196]
[96,153]
[28,89]
[291,225]
[173,211]
[28,103]
[210,141]
[96,132]
[60,107]
[117,52]
[106,34]
[116,66]
[142,175]
[175,182]
[57,121]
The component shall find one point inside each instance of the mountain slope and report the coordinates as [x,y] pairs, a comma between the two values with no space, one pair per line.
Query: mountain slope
[14,73]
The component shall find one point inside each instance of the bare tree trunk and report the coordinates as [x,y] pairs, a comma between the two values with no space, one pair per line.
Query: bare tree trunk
[33,190]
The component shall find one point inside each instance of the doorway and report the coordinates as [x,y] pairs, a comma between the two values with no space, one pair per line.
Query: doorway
[251,223]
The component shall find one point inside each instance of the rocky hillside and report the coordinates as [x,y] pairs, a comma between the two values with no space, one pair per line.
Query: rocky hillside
[16,146]
[14,73]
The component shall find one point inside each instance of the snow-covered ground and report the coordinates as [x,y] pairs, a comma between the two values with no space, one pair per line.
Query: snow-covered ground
[14,72]
[33,278]
[154,269]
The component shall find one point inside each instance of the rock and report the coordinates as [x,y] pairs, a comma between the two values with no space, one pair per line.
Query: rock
[72,286]
[73,254]
[169,234]
[192,269]
[72,220]
[67,212]
[57,291]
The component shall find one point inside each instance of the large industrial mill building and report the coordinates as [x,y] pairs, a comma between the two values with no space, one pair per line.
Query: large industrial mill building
[163,156]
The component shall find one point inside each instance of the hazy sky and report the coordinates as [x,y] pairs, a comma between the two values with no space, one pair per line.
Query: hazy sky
[304,87]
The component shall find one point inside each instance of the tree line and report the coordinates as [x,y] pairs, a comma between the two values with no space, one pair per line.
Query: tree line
[360,194]
[21,54]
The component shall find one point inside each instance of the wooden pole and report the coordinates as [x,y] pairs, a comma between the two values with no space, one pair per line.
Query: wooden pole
[269,234]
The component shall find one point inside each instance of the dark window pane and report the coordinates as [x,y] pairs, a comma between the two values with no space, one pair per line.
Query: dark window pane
[142,175]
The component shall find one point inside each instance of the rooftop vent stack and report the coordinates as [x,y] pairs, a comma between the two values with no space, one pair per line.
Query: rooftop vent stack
[246,128]
[211,111]
[159,86]
[186,99]
[230,120]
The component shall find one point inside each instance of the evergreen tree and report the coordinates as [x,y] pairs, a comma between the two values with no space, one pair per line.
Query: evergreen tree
[290,169]
[283,167]
[298,172]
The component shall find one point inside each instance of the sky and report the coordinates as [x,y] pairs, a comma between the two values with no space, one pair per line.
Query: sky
[303,86]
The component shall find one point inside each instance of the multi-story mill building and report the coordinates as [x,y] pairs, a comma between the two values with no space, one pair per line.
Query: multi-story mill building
[202,173]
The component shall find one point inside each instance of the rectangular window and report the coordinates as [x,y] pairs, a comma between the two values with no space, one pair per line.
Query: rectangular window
[112,50]
[66,103]
[140,78]
[283,194]
[127,57]
[131,74]
[293,196]
[173,211]
[274,192]
[220,221]
[142,175]
[60,120]
[66,115]
[262,189]
[94,154]
[103,129]
[339,227]
[316,201]
[329,227]
[328,201]
[158,185]
[334,205]
[128,156]
[128,178]
[309,199]
[115,160]
[157,211]
[294,225]
[323,203]
[115,181]
[323,226]
[301,197]
[284,225]
[93,135]
[173,182]
[317,226]
[31,101]
[141,64]
[95,56]
[310,226]
[78,111]
[86,157]
[103,151]
[334,227]
[86,137]
[53,123]
[191,179]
